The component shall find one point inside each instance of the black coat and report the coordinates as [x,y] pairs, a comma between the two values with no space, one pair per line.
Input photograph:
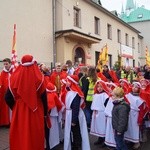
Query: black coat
[147,75]
[75,106]
[120,116]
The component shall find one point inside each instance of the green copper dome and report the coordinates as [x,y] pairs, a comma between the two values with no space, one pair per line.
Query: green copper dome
[137,15]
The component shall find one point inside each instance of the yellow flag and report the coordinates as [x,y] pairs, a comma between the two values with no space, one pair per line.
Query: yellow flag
[104,54]
[147,57]
[103,57]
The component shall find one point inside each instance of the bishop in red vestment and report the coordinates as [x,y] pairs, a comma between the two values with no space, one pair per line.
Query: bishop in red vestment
[27,98]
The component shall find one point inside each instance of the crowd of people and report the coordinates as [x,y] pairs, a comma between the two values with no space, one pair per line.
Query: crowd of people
[44,107]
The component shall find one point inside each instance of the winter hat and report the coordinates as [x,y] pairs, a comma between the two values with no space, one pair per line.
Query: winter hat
[27,60]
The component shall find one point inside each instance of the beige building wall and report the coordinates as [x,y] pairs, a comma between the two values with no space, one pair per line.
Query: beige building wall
[143,28]
[141,51]
[33,19]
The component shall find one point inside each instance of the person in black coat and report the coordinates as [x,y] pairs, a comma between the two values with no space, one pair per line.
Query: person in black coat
[106,73]
[147,73]
[120,117]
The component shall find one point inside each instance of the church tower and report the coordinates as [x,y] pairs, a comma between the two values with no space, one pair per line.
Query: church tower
[122,10]
[129,7]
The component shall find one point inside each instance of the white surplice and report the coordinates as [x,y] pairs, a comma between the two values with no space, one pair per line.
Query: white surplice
[54,130]
[132,134]
[98,123]
[109,136]
[82,122]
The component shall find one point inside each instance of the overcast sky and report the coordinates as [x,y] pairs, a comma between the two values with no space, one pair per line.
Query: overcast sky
[117,4]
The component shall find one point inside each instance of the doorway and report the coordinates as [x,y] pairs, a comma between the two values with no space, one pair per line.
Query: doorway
[79,57]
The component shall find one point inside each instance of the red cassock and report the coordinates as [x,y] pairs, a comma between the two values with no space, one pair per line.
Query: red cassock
[52,98]
[144,107]
[4,109]
[47,79]
[63,93]
[145,95]
[0,90]
[101,76]
[27,125]
[142,112]
[114,77]
[53,101]
[0,87]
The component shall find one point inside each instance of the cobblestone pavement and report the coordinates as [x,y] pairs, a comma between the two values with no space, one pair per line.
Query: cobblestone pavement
[4,141]
[4,144]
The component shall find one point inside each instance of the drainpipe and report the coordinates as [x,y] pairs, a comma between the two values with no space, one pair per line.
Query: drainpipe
[54,20]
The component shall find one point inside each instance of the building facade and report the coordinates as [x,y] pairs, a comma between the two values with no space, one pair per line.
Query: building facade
[84,27]
[139,18]
[58,30]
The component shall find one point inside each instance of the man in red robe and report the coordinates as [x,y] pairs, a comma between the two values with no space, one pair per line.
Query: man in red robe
[4,109]
[26,97]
